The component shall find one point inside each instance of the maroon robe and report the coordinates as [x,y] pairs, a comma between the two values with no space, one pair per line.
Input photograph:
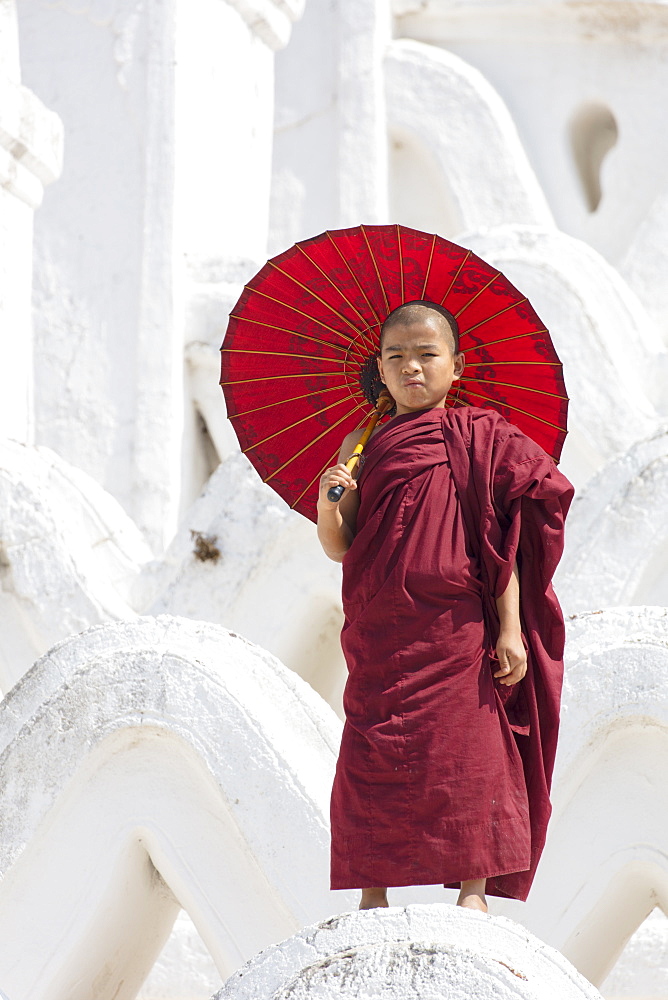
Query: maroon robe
[443,774]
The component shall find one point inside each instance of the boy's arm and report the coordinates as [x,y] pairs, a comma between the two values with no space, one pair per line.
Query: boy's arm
[336,521]
[509,647]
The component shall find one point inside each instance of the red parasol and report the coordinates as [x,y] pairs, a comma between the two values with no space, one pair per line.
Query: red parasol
[298,359]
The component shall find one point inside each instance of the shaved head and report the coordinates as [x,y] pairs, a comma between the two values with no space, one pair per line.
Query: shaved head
[417,312]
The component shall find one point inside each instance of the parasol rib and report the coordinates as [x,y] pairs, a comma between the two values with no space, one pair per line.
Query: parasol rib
[296,333]
[503,340]
[272,378]
[290,399]
[287,305]
[354,277]
[345,299]
[511,385]
[358,427]
[284,354]
[431,256]
[455,276]
[300,284]
[482,289]
[306,447]
[516,409]
[495,364]
[495,315]
[375,267]
[288,427]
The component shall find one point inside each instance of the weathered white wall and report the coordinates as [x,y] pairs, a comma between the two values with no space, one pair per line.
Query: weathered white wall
[549,61]
[30,158]
[163,202]
[330,146]
[644,262]
[70,557]
[184,969]
[644,963]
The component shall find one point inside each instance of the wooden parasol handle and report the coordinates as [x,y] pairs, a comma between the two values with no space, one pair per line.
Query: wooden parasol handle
[385,403]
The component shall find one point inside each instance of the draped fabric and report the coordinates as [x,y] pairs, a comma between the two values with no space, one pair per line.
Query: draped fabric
[443,774]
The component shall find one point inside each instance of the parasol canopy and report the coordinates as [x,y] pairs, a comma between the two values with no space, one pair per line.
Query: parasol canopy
[299,356]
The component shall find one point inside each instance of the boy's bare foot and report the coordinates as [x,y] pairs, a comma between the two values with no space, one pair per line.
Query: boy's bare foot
[472,895]
[372,898]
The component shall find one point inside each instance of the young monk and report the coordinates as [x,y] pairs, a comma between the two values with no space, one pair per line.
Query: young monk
[454,680]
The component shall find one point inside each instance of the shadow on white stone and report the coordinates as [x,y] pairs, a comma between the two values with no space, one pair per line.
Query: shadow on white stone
[426,952]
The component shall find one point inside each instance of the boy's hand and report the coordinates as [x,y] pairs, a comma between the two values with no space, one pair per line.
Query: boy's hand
[512,658]
[337,475]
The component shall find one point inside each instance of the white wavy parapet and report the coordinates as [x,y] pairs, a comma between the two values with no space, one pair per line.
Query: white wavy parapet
[164,763]
[445,107]
[145,766]
[617,535]
[415,951]
[69,555]
[271,580]
[70,558]
[605,866]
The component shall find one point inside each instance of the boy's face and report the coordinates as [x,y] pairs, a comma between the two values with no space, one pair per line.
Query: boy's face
[417,363]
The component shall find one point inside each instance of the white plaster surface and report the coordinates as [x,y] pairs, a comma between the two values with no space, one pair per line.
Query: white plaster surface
[103,295]
[174,758]
[445,107]
[617,537]
[69,555]
[645,958]
[644,263]
[304,190]
[30,158]
[605,865]
[270,563]
[184,969]
[132,712]
[150,186]
[424,952]
[329,165]
[547,59]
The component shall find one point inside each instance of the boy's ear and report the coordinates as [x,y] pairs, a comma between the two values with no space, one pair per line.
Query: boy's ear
[460,362]
[380,368]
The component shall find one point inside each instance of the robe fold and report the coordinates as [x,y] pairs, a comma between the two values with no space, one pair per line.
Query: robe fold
[444,774]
